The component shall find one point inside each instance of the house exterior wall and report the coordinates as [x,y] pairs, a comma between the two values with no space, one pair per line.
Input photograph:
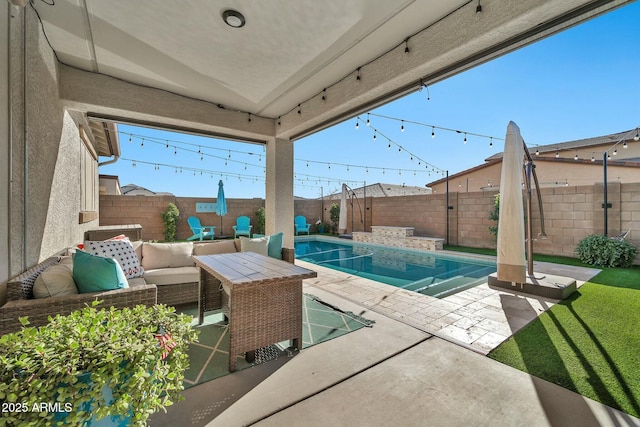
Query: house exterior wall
[44,194]
[551,173]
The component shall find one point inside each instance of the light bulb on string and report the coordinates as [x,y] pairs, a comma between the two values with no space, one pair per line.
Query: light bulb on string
[374,135]
[593,158]
[142,143]
[537,151]
[491,142]
[575,157]
[433,132]
[557,154]
[624,145]
[175,151]
[465,138]
[615,152]
[357,123]
[129,139]
[402,127]
[637,137]
[368,121]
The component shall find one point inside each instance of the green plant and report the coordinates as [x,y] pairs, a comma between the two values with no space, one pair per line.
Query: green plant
[260,215]
[170,220]
[603,251]
[334,215]
[494,215]
[108,347]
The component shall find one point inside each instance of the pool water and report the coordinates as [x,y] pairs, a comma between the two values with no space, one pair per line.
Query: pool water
[428,273]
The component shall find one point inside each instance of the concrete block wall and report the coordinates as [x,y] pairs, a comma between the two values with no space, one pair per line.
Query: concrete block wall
[571,213]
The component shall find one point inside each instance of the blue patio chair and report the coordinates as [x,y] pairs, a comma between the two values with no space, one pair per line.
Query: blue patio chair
[200,231]
[301,225]
[243,227]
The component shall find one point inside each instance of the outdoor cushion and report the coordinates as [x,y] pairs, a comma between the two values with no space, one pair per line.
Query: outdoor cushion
[136,281]
[121,250]
[56,280]
[167,255]
[93,273]
[275,245]
[217,247]
[170,276]
[259,245]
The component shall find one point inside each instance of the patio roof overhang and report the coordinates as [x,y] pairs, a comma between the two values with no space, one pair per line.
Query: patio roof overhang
[292,70]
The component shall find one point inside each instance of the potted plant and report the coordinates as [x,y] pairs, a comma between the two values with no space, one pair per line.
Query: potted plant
[95,364]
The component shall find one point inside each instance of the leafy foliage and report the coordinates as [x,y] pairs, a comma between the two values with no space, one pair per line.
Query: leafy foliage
[494,215]
[334,215]
[111,347]
[603,251]
[170,220]
[261,220]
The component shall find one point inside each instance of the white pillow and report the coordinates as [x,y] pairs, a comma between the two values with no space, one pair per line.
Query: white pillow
[56,280]
[120,250]
[167,255]
[259,245]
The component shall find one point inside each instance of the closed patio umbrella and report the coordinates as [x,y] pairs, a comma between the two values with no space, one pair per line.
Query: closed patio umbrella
[511,243]
[221,203]
[342,223]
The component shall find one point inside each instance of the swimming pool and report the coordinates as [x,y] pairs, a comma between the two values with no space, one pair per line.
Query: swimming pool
[428,273]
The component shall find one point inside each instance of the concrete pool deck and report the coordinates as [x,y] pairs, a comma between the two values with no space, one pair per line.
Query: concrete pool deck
[390,374]
[479,318]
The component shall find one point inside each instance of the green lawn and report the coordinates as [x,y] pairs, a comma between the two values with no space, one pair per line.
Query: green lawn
[589,343]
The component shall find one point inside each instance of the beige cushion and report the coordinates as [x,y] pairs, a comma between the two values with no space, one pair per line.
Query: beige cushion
[56,280]
[219,247]
[259,245]
[237,243]
[136,281]
[169,276]
[166,255]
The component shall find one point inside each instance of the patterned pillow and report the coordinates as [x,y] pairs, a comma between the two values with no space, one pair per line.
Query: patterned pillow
[120,250]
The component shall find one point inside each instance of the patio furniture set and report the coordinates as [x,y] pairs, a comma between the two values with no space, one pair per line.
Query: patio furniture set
[169,276]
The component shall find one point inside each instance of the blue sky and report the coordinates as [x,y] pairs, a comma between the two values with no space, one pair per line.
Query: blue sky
[581,83]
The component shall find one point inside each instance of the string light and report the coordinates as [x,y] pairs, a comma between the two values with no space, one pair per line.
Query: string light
[465,138]
[615,152]
[374,136]
[593,158]
[575,157]
[433,132]
[402,127]
[368,121]
[557,154]
[537,151]
[491,142]
[299,109]
[637,137]
[624,145]
[249,117]
[142,143]
[324,94]
[358,74]
[406,45]
[357,123]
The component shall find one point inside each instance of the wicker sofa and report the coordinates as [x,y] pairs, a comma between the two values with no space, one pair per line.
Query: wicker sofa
[162,283]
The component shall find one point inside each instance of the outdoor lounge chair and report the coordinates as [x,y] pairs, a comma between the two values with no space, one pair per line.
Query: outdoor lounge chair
[301,225]
[200,231]
[243,227]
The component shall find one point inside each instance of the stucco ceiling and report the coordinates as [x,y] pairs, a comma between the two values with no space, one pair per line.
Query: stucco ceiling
[286,52]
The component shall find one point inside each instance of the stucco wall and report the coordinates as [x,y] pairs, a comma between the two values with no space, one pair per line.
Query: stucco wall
[45,155]
[4,152]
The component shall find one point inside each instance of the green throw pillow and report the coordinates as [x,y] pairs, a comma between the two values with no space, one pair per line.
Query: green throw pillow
[94,273]
[275,245]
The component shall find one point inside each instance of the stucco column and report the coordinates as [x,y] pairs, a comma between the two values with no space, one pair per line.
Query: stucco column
[279,191]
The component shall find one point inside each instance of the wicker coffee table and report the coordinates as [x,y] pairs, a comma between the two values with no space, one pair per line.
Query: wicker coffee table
[264,296]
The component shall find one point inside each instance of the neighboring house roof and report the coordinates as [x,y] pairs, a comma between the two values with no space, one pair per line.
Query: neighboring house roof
[631,163]
[580,143]
[136,190]
[384,190]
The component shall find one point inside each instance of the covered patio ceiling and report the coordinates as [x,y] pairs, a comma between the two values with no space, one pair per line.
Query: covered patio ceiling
[294,68]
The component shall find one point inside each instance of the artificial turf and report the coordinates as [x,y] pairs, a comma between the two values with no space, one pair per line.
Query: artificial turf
[588,343]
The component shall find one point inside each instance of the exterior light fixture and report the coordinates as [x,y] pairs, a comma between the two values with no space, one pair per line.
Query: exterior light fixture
[233,18]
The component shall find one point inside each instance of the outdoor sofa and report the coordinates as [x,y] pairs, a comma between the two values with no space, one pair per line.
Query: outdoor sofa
[170,277]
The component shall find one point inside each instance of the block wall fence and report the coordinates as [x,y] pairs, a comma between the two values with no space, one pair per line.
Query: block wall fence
[570,213]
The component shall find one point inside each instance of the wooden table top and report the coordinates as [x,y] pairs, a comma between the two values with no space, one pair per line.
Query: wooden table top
[244,267]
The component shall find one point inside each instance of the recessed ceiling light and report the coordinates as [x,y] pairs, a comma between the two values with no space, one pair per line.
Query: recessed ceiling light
[233,18]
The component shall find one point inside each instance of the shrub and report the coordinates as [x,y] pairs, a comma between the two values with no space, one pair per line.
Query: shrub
[494,215]
[170,220]
[69,362]
[605,252]
[261,220]
[334,215]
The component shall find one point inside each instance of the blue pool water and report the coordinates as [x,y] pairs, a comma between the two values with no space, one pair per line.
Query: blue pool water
[428,273]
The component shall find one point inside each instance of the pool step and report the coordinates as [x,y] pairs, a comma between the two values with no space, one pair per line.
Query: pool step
[465,271]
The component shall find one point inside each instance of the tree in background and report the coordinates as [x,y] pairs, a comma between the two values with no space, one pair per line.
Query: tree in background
[494,215]
[261,220]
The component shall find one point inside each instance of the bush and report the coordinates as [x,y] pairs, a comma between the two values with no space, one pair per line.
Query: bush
[170,220]
[605,252]
[261,220]
[334,215]
[69,362]
[494,215]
